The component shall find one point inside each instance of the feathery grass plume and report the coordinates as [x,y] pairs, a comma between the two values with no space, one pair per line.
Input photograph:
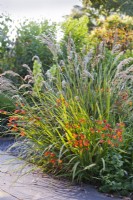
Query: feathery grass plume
[28,69]
[123,63]
[49,75]
[118,57]
[88,58]
[51,44]
[86,74]
[116,48]
[29,78]
[25,86]
[6,86]
[123,78]
[101,48]
[9,72]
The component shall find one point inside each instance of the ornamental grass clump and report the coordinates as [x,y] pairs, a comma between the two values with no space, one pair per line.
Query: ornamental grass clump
[69,126]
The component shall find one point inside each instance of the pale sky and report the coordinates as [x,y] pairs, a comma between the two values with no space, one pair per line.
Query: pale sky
[49,9]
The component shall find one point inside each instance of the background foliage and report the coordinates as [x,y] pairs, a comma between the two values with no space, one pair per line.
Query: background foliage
[107,6]
[20,50]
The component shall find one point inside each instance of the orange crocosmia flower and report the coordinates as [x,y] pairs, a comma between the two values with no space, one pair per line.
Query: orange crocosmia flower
[75,135]
[3,112]
[98,131]
[78,126]
[14,128]
[23,112]
[13,119]
[47,153]
[119,132]
[17,111]
[104,121]
[116,145]
[110,142]
[82,136]
[80,143]
[53,161]
[104,128]
[82,120]
[109,135]
[99,122]
[76,143]
[15,125]
[101,141]
[22,133]
[114,136]
[52,154]
[86,143]
[59,161]
[58,101]
[9,124]
[120,139]
[75,126]
[121,125]
[92,130]
[108,125]
[67,125]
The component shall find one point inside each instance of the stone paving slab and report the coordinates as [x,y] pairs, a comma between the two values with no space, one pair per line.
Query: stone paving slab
[17,184]
[6,196]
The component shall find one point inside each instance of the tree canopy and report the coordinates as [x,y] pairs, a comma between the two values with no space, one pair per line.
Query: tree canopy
[125,7]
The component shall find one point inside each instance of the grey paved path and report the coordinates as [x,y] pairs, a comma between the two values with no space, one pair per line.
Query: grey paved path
[17,184]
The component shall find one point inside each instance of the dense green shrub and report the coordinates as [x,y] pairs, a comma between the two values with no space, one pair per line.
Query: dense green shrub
[14,52]
[78,29]
[113,30]
[119,161]
[28,44]
[6,44]
[109,6]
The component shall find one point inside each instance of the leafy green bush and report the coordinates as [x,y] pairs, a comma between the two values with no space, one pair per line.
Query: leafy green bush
[6,51]
[28,45]
[14,52]
[119,161]
[112,30]
[78,28]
